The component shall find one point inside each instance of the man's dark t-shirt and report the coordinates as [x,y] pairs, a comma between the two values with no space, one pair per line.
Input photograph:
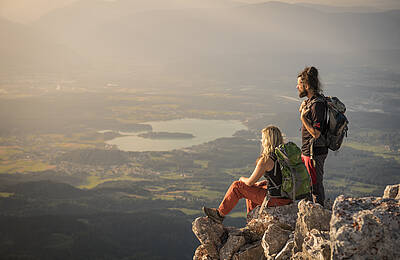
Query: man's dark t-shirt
[316,116]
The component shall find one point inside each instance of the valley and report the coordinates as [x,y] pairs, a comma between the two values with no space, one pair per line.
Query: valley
[198,80]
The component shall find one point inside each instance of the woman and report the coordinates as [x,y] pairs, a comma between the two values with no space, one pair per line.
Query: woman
[254,192]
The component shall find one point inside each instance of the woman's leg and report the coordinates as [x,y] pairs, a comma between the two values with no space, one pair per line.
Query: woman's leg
[250,205]
[275,202]
[238,190]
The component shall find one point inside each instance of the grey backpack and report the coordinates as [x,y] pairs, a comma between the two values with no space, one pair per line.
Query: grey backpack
[336,123]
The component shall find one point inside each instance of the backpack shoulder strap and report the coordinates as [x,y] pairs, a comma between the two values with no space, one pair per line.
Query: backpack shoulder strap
[320,98]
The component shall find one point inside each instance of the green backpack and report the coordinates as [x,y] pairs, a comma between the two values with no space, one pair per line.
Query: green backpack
[296,182]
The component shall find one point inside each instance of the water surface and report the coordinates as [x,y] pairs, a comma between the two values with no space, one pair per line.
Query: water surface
[203,130]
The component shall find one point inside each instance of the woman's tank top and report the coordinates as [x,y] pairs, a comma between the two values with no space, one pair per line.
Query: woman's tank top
[275,177]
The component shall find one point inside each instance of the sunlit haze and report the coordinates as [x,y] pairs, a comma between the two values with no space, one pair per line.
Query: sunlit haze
[25,11]
[121,119]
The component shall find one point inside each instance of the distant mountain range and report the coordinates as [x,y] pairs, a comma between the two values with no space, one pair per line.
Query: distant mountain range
[133,32]
[341,9]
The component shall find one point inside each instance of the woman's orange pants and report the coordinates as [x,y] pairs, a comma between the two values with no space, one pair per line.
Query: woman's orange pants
[254,196]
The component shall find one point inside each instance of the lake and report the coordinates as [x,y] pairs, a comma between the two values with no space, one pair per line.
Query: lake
[203,130]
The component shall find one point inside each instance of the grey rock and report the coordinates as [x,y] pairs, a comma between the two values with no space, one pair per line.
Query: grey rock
[209,234]
[392,192]
[253,214]
[232,230]
[284,216]
[250,252]
[231,246]
[316,245]
[310,216]
[365,228]
[328,204]
[249,236]
[274,240]
[356,228]
[286,251]
[299,256]
[201,254]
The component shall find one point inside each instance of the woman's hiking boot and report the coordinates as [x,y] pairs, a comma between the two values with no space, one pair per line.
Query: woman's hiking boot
[213,214]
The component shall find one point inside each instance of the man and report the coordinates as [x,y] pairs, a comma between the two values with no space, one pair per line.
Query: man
[313,118]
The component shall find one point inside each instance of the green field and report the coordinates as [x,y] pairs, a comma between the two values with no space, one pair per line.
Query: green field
[173,176]
[207,194]
[24,166]
[188,211]
[378,150]
[6,194]
[238,214]
[94,180]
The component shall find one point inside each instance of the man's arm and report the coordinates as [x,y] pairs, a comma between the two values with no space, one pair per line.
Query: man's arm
[316,120]
[314,132]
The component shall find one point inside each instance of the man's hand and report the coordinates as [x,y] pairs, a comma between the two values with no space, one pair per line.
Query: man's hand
[314,132]
[303,105]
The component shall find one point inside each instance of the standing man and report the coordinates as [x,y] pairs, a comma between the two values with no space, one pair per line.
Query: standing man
[313,117]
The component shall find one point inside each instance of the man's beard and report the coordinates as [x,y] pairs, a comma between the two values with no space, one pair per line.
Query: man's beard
[303,93]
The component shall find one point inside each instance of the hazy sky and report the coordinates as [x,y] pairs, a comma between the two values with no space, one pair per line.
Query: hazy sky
[27,10]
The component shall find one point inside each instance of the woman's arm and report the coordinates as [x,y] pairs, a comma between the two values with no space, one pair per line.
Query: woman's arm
[261,168]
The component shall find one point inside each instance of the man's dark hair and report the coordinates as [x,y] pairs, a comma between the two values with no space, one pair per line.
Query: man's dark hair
[309,76]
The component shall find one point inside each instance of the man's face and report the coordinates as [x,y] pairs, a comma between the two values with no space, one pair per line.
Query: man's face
[301,88]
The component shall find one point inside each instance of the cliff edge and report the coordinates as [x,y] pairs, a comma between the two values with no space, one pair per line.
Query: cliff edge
[354,228]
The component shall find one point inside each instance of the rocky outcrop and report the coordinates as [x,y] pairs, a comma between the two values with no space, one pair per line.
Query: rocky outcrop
[310,216]
[201,253]
[231,246]
[286,251]
[316,245]
[392,192]
[355,228]
[209,234]
[283,216]
[365,228]
[274,240]
[250,251]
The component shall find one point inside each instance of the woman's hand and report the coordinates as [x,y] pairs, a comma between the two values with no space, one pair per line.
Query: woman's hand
[243,179]
[261,183]
[260,169]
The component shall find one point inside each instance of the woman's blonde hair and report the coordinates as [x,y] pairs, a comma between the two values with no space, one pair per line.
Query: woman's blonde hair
[271,138]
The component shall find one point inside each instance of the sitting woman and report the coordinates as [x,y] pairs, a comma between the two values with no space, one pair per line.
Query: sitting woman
[254,192]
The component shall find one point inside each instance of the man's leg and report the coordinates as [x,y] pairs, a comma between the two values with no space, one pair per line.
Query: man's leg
[310,168]
[318,187]
[239,190]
